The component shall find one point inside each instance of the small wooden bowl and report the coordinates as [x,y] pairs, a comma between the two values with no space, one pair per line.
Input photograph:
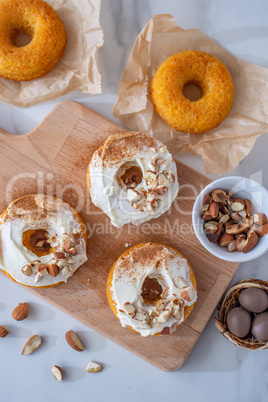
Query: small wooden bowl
[230,301]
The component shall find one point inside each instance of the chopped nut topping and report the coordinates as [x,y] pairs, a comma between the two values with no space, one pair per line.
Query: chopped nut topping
[38,276]
[163,149]
[133,196]
[163,317]
[129,309]
[66,270]
[187,293]
[72,251]
[79,249]
[27,270]
[180,282]
[141,315]
[59,255]
[42,269]
[177,314]
[53,270]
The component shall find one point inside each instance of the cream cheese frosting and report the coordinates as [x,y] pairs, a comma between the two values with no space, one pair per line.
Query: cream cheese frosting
[126,201]
[64,234]
[170,270]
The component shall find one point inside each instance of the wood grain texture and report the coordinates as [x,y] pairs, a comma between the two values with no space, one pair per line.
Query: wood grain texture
[53,159]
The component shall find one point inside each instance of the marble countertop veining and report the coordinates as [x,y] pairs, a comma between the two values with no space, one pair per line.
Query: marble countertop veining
[216,369]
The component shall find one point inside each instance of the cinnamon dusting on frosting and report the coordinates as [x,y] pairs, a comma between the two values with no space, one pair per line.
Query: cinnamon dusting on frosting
[132,178]
[31,207]
[151,254]
[148,287]
[34,226]
[126,146]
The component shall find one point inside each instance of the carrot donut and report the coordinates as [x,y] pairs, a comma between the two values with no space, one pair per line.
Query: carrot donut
[151,288]
[200,68]
[132,178]
[48,39]
[42,241]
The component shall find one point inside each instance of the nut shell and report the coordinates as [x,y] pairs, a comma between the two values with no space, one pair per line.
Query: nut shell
[251,242]
[214,209]
[225,239]
[219,195]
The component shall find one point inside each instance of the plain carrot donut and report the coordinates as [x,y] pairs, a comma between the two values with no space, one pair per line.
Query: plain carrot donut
[200,68]
[151,288]
[48,39]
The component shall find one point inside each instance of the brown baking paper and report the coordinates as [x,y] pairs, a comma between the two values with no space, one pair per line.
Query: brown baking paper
[221,148]
[78,68]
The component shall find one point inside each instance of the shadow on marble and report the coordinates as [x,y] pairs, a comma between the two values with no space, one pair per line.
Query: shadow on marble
[214,353]
[121,25]
[92,341]
[19,122]
[103,108]
[241,34]
[48,342]
[40,312]
[253,59]
[73,373]
[2,307]
[15,331]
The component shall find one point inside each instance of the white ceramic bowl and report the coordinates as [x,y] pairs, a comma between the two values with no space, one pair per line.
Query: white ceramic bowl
[242,187]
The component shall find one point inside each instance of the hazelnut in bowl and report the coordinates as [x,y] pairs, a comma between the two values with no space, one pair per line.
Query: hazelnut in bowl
[230,218]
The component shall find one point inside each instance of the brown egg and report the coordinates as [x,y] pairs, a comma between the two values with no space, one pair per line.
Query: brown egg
[260,327]
[254,299]
[239,322]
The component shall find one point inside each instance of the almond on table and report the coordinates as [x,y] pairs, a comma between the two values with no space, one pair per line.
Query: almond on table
[3,332]
[31,345]
[57,373]
[74,341]
[93,367]
[20,312]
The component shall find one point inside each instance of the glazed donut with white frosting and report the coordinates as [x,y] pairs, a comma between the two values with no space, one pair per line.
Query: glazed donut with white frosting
[151,289]
[42,241]
[132,178]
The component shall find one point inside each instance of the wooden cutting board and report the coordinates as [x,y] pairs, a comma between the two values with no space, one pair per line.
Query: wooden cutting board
[53,159]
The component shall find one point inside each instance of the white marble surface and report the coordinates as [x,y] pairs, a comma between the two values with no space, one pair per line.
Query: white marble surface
[216,370]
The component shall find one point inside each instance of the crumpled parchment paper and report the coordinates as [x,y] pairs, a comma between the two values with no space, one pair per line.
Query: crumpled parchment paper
[78,68]
[221,148]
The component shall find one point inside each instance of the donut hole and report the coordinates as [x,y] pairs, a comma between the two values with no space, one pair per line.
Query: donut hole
[192,91]
[37,241]
[129,175]
[151,290]
[21,36]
